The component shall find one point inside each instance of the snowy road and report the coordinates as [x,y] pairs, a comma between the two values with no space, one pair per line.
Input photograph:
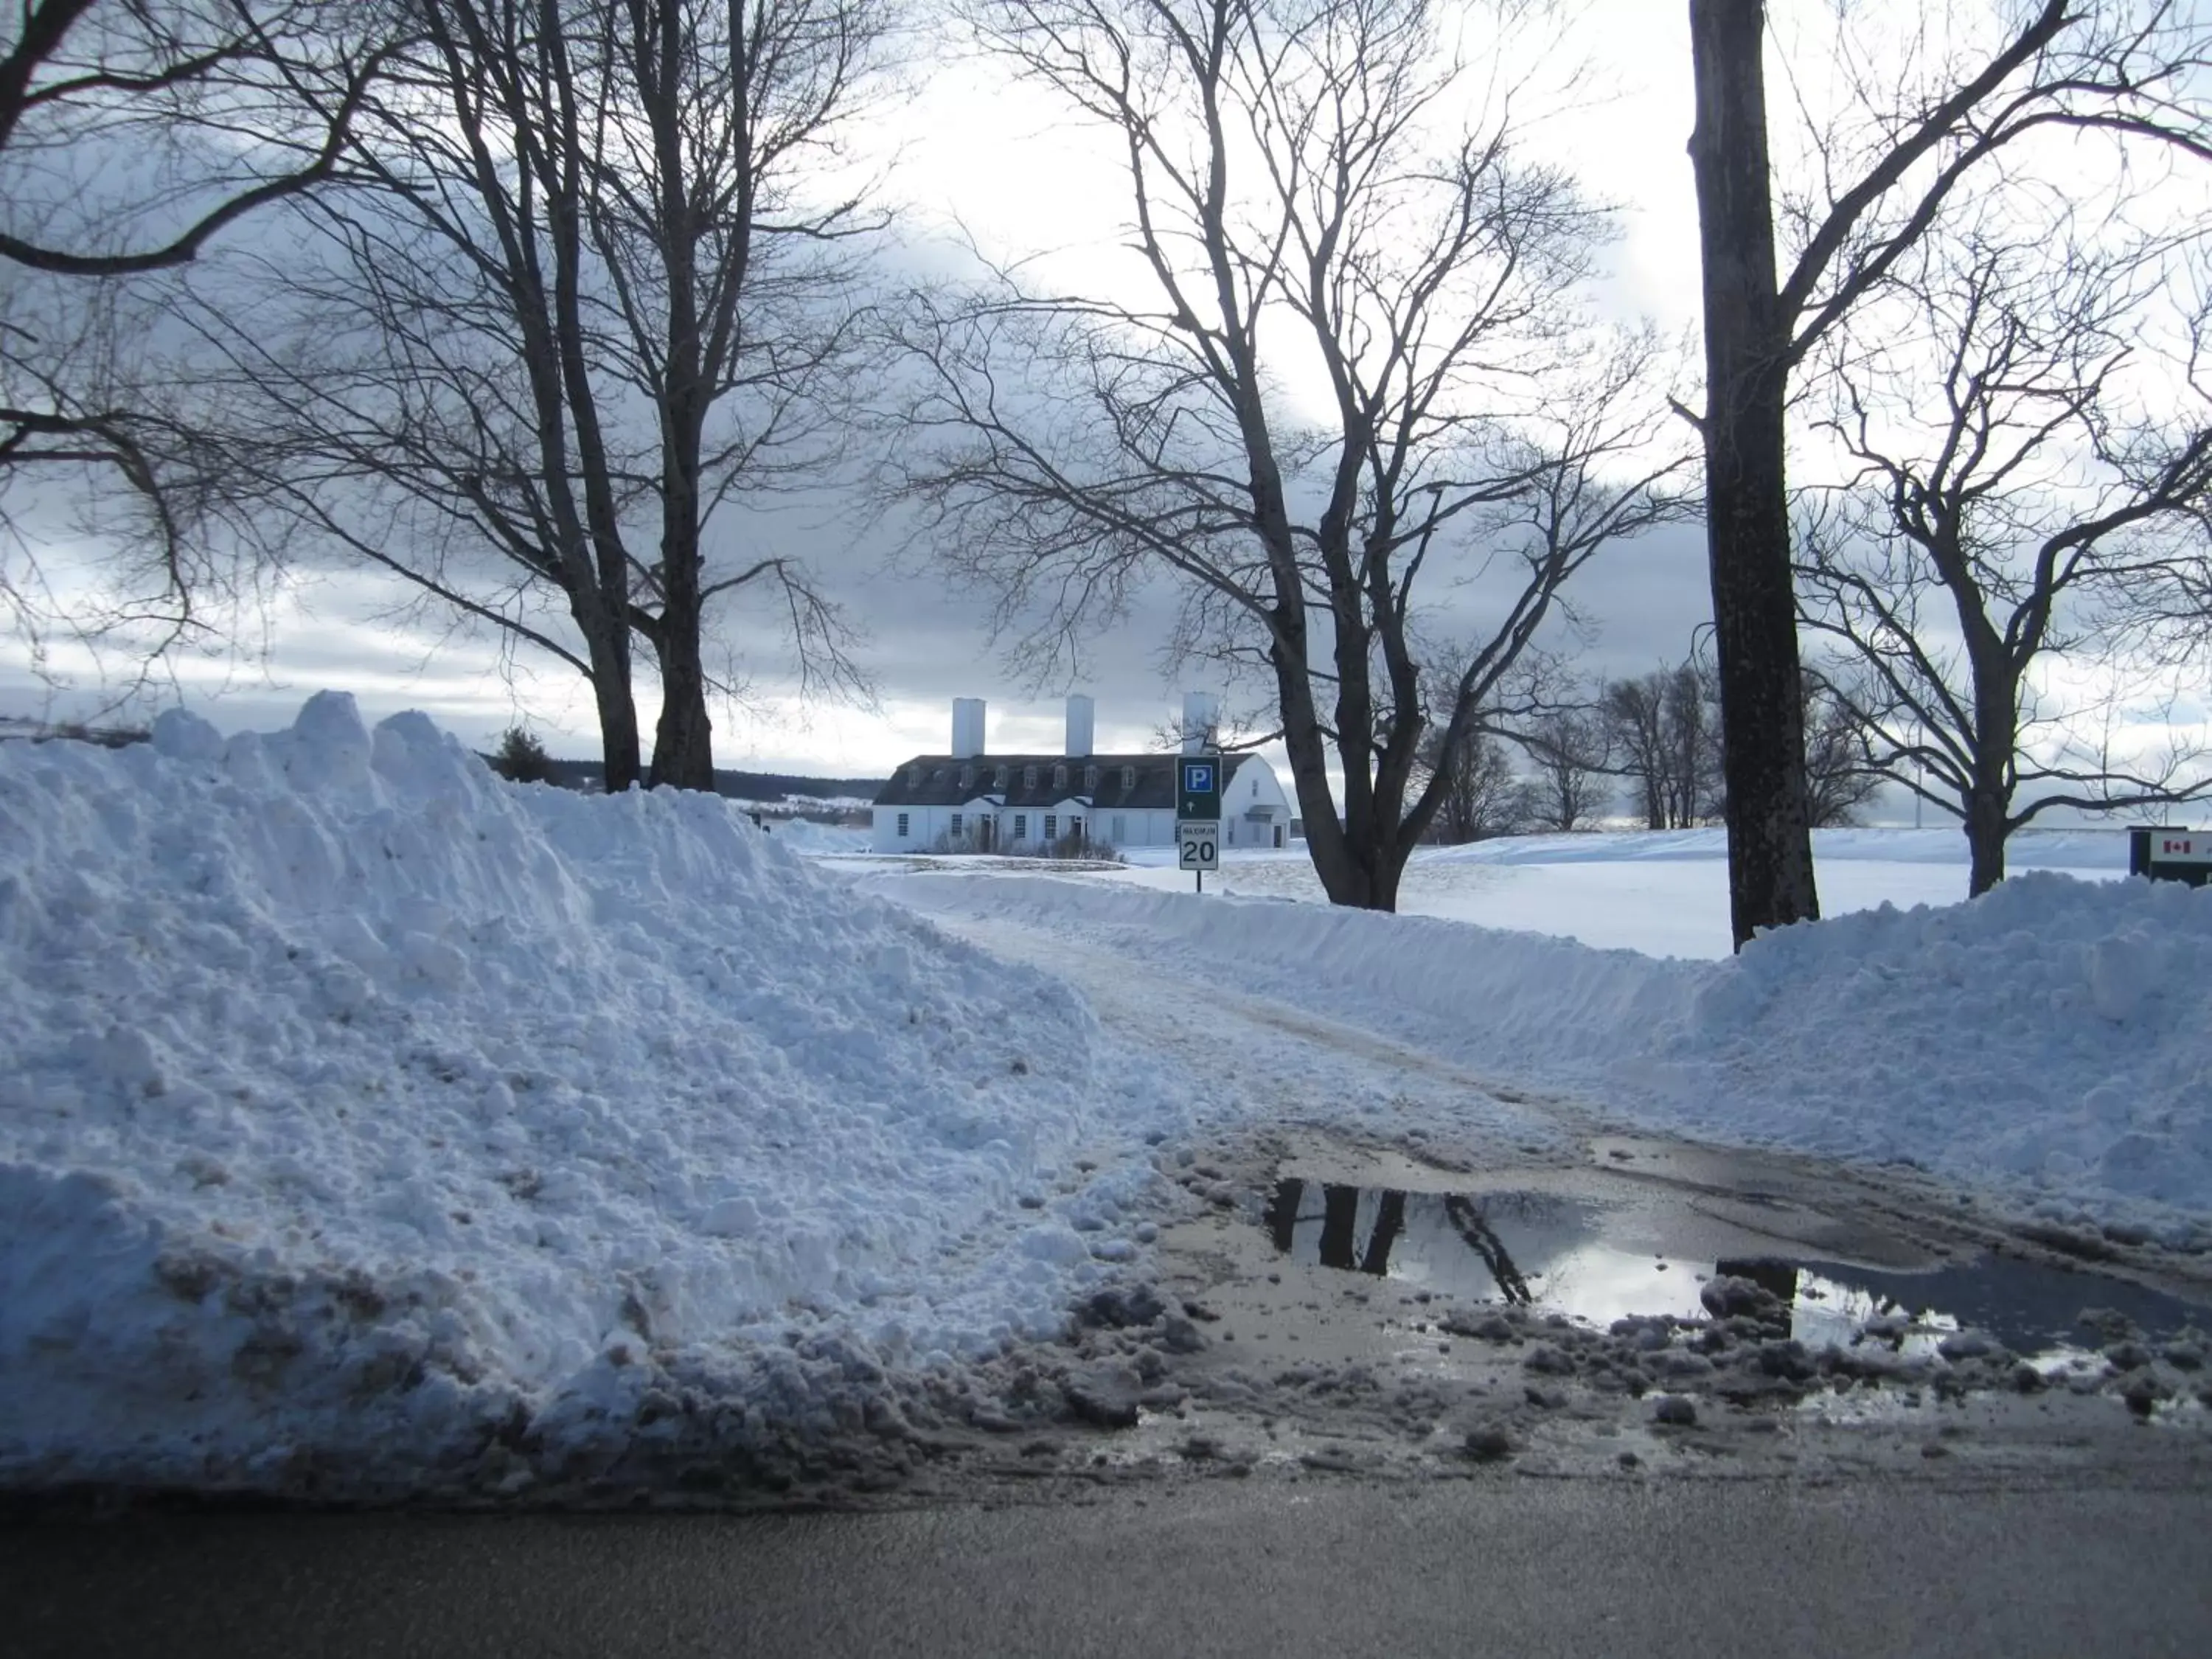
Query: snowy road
[2041,1046]
[1256,1058]
[1301,1078]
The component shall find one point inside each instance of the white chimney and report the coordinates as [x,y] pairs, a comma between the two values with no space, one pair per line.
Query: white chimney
[1201,720]
[1080,710]
[967,727]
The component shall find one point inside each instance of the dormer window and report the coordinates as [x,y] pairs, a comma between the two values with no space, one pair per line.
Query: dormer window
[1128,777]
[967,776]
[1029,777]
[1002,777]
[1059,777]
[1089,780]
[914,777]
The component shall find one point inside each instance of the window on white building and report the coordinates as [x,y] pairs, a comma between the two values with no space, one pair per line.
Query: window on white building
[956,824]
[901,829]
[1021,826]
[1051,830]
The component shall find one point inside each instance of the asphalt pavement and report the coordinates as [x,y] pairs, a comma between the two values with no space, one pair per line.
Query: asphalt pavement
[1273,1567]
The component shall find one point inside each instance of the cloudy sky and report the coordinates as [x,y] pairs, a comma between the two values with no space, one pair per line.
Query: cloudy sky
[1001,163]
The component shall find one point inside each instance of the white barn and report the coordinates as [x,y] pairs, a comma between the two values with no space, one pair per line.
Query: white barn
[971,800]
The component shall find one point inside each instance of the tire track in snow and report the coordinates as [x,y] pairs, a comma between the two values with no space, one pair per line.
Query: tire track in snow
[1231,1045]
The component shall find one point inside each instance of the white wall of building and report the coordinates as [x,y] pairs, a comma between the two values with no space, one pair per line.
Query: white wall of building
[919,829]
[1251,786]
[1253,789]
[1128,829]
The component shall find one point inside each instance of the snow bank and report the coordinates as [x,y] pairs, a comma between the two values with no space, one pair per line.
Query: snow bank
[352,1101]
[806,836]
[2053,1039]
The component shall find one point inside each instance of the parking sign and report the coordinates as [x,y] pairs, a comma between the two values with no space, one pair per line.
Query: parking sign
[1198,787]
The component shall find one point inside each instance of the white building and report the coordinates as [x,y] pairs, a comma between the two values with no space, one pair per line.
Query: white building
[971,800]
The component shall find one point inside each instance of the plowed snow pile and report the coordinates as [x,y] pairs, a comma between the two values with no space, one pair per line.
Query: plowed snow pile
[353,1102]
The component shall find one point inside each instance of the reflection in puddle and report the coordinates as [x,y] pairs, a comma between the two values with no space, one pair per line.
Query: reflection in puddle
[1365,1230]
[1549,1251]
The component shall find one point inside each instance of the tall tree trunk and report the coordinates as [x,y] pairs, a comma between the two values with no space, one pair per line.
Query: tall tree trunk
[1359,859]
[1383,881]
[1985,839]
[1748,513]
[683,740]
[1989,802]
[1334,851]
[607,643]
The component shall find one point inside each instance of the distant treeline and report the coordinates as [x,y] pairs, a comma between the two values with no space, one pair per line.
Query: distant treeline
[739,786]
[38,731]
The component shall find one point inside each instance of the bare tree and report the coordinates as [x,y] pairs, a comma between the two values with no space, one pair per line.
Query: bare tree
[594,293]
[131,133]
[1483,796]
[1299,189]
[1691,703]
[1572,761]
[1632,714]
[2013,494]
[1662,736]
[2118,70]
[1840,776]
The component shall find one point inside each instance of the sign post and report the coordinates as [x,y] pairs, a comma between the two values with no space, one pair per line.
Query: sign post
[2184,855]
[1198,815]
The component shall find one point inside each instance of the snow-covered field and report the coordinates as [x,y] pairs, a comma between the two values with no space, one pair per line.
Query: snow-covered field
[1662,892]
[352,1101]
[359,1110]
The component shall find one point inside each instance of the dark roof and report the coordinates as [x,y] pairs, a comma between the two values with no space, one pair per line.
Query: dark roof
[1153,789]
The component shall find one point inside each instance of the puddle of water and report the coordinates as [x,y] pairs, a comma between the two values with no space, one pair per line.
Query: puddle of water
[1550,1251]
